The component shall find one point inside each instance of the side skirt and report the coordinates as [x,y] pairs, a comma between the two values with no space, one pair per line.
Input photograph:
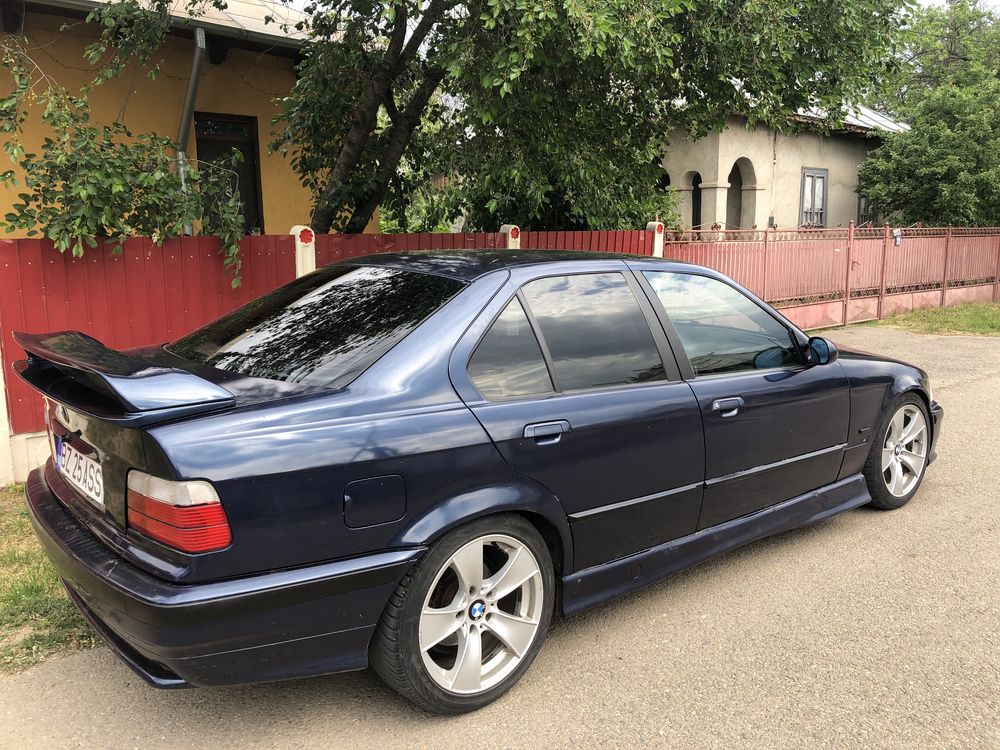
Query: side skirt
[591,586]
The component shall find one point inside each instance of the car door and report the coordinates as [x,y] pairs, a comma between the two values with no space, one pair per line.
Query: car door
[573,379]
[775,426]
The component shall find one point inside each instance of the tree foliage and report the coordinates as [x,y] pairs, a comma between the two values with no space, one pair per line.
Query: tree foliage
[954,44]
[946,168]
[91,181]
[552,112]
[542,112]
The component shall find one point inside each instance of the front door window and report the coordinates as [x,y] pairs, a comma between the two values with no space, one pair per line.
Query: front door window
[722,330]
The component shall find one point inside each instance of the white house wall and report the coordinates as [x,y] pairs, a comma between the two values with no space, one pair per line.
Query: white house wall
[777,161]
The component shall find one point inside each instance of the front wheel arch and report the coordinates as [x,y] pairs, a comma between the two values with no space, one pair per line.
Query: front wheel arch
[919,390]
[906,388]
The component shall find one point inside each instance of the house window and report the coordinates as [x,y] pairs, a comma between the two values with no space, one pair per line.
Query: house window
[866,211]
[216,136]
[815,185]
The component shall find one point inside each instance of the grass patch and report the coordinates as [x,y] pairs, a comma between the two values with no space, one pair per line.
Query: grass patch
[978,318]
[37,619]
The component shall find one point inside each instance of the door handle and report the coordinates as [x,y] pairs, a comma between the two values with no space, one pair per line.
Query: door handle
[728,407]
[547,433]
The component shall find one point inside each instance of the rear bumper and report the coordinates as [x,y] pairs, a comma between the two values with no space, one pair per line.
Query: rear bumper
[273,626]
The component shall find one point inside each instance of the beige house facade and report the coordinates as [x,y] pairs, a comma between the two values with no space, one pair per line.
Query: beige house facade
[742,178]
[246,67]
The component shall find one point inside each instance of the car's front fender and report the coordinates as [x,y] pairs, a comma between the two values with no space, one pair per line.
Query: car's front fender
[876,382]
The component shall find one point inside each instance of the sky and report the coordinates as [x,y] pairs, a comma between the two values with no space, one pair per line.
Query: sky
[992,4]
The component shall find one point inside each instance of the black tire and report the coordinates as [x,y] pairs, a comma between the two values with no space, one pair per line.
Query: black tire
[882,499]
[395,653]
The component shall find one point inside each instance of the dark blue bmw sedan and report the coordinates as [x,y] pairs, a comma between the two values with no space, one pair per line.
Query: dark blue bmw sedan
[416,461]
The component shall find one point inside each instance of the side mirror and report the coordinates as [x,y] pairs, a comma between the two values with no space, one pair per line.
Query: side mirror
[822,351]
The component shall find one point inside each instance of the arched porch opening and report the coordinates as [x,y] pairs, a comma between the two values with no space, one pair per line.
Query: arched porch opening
[741,197]
[692,217]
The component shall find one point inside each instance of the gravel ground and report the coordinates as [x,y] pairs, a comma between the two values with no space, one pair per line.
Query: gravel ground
[869,630]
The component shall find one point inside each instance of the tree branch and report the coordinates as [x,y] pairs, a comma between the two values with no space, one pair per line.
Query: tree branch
[396,143]
[390,106]
[423,28]
[363,122]
[397,38]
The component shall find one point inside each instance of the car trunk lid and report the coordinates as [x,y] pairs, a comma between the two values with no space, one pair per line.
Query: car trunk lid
[97,402]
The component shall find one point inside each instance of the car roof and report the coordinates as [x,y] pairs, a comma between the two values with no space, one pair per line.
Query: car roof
[470,264]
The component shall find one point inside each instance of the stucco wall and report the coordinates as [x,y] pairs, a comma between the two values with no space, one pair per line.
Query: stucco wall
[245,84]
[772,166]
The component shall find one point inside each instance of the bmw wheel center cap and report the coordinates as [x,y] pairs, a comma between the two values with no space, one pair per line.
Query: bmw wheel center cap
[477,610]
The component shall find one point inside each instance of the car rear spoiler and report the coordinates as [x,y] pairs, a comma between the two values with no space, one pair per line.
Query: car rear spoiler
[83,374]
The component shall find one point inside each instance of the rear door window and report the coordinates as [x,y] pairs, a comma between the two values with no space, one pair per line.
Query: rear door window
[508,362]
[594,330]
[322,329]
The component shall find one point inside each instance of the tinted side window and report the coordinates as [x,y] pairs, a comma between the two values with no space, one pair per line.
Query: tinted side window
[721,329]
[508,362]
[595,330]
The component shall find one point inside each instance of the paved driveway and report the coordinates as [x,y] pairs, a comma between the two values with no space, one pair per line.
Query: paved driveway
[869,630]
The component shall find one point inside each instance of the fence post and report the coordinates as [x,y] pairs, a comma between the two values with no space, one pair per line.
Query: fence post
[763,283]
[881,279]
[656,227]
[847,273]
[996,275]
[6,444]
[512,236]
[944,276]
[305,249]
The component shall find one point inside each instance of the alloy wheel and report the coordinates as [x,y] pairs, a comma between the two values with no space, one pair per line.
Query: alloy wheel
[482,614]
[904,450]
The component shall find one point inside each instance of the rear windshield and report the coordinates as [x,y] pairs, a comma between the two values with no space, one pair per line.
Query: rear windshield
[323,329]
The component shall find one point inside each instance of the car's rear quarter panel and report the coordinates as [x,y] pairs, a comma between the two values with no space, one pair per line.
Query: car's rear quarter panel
[282,470]
[283,487]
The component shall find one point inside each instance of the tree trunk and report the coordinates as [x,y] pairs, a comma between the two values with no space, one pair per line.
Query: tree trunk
[363,122]
[365,116]
[399,139]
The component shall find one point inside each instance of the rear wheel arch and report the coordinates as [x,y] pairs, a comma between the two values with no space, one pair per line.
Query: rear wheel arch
[553,539]
[540,508]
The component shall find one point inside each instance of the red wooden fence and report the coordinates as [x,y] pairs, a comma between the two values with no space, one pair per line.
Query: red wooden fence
[150,294]
[144,295]
[333,247]
[634,242]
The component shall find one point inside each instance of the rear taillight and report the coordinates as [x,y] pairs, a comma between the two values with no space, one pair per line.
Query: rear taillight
[184,515]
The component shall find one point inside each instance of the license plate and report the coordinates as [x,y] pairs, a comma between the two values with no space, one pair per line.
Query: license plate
[82,472]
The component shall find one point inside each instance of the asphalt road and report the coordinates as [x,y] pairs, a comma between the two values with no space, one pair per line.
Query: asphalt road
[868,630]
